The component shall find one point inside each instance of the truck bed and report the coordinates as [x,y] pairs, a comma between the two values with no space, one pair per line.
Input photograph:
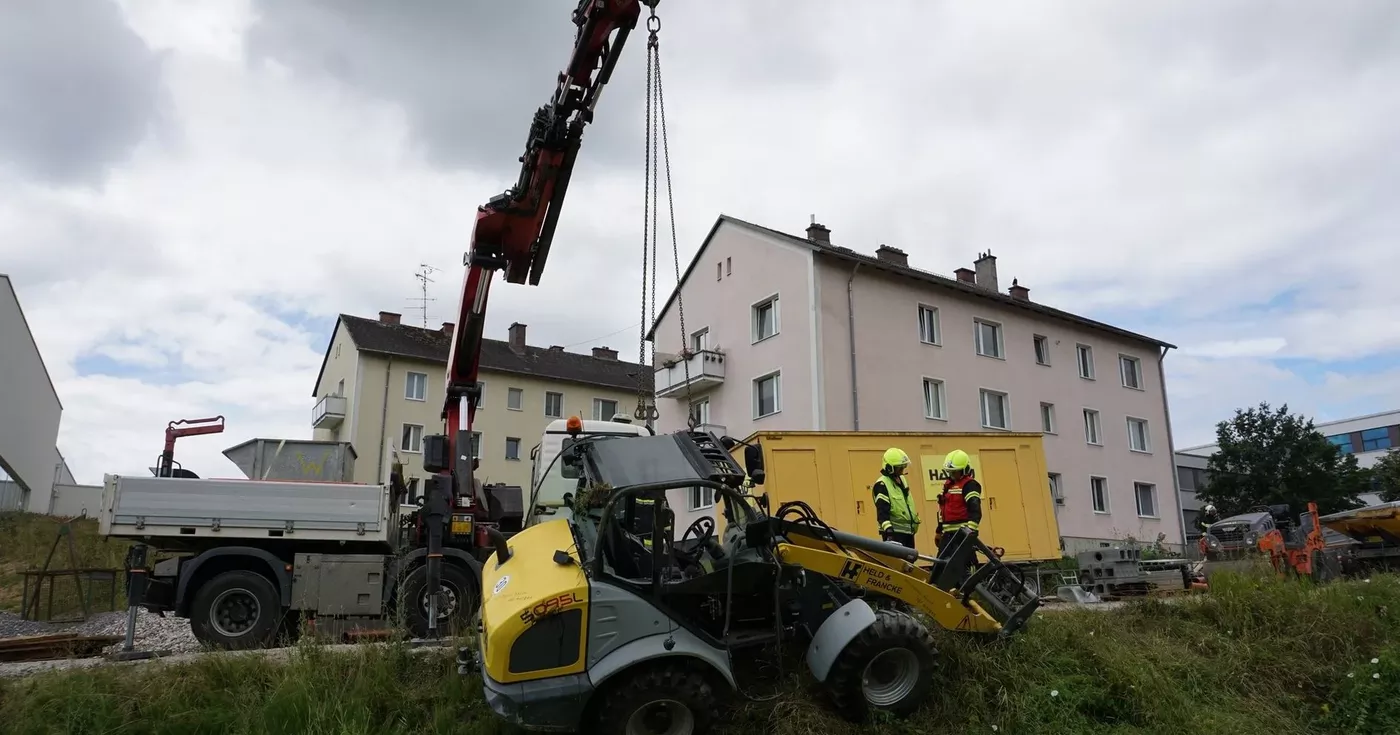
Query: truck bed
[141,507]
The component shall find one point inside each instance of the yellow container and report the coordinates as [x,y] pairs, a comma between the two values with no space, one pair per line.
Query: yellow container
[833,471]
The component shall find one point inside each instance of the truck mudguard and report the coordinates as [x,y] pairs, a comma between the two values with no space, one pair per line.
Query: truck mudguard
[835,634]
[277,567]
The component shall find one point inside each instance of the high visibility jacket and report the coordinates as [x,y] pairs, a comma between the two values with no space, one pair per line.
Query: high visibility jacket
[893,507]
[960,505]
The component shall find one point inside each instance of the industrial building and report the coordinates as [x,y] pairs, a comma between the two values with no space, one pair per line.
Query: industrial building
[785,332]
[383,381]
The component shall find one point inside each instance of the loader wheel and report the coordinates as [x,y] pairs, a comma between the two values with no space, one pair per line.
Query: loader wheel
[668,698]
[237,610]
[888,667]
[458,588]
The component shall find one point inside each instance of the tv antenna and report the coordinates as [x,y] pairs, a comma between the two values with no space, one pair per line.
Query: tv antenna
[424,276]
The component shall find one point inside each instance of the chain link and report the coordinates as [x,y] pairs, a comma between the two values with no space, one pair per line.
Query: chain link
[692,419]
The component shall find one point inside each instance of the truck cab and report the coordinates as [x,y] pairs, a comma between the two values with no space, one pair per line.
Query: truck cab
[550,479]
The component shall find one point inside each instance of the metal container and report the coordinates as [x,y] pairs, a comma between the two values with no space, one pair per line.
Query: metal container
[294,459]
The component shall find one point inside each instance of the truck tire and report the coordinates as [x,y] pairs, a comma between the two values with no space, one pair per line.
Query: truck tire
[237,610]
[461,589]
[888,667]
[670,697]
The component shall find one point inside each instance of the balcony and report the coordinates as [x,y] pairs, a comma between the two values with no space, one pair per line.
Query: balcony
[706,368]
[329,412]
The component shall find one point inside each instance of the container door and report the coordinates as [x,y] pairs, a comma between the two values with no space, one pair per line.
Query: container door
[863,468]
[1004,520]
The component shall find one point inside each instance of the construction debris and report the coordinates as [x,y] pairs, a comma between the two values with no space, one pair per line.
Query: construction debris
[59,645]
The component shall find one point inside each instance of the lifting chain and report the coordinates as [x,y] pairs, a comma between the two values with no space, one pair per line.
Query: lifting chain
[656,133]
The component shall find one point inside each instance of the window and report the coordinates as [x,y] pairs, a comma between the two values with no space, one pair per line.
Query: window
[481,399]
[767,395]
[765,319]
[1138,440]
[988,338]
[476,445]
[411,496]
[1047,418]
[1098,493]
[1091,426]
[554,404]
[1130,369]
[996,413]
[700,411]
[719,271]
[928,325]
[604,409]
[702,497]
[1056,492]
[1343,442]
[416,387]
[700,341]
[1086,361]
[1375,439]
[935,400]
[340,387]
[728,266]
[1186,477]
[412,439]
[515,399]
[513,448]
[1042,350]
[337,352]
[1146,499]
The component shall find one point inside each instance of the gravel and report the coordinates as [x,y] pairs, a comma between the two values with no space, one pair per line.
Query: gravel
[153,632]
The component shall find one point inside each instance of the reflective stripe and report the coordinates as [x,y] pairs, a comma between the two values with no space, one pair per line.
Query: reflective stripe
[886,526]
[903,518]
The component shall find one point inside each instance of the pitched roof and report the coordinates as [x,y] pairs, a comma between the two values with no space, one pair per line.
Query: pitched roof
[851,256]
[432,345]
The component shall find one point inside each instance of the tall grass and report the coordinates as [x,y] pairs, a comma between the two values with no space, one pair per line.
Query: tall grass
[26,540]
[1255,656]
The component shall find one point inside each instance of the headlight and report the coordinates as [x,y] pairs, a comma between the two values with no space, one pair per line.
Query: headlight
[1252,538]
[1212,541]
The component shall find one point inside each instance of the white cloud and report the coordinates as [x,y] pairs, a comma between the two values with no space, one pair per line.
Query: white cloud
[1184,163]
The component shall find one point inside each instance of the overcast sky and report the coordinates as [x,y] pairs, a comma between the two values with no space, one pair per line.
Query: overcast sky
[190,192]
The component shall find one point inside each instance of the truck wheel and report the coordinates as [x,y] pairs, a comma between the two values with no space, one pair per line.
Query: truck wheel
[888,667]
[458,587]
[667,698]
[236,610]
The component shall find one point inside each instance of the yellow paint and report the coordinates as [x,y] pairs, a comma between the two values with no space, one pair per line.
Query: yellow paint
[899,581]
[833,472]
[535,586]
[311,468]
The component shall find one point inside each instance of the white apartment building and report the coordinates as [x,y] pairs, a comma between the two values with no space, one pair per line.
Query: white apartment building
[784,332]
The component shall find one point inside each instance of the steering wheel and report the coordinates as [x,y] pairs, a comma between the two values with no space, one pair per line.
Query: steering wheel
[704,529]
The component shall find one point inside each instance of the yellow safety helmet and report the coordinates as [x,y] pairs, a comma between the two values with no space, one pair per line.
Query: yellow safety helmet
[895,457]
[957,460]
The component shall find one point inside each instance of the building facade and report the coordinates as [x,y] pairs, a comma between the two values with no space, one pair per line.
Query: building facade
[1191,478]
[30,412]
[382,384]
[789,332]
[1368,438]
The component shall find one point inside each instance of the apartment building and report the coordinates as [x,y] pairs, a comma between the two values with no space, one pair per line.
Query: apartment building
[1367,437]
[796,333]
[383,381]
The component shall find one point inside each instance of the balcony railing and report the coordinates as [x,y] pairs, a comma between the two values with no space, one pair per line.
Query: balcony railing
[706,369]
[329,412]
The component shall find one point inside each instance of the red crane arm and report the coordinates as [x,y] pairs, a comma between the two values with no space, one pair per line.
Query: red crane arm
[514,230]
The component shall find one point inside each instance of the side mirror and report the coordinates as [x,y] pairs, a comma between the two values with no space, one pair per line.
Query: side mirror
[753,462]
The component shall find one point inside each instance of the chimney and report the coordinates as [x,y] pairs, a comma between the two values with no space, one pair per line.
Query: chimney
[893,256]
[447,328]
[986,265]
[1019,292]
[517,338]
[603,353]
[966,275]
[818,233]
[389,317]
[556,348]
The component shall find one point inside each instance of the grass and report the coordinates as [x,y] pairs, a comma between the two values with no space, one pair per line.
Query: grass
[1254,656]
[25,541]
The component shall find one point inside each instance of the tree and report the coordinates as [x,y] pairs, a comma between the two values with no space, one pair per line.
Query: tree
[1272,457]
[1385,476]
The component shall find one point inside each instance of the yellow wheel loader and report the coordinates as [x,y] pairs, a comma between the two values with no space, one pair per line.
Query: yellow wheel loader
[588,626]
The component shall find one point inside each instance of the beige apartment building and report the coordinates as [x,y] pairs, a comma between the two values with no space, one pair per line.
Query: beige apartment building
[794,333]
[382,384]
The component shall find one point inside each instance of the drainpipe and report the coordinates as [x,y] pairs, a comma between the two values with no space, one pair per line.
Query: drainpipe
[851,325]
[384,417]
[1171,448]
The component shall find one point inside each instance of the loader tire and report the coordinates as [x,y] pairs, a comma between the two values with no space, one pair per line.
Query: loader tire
[237,610]
[671,697]
[461,591]
[888,667]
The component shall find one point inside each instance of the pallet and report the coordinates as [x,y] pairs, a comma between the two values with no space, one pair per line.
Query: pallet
[55,646]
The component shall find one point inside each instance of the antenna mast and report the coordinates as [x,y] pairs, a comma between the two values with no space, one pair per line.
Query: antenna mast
[423,274]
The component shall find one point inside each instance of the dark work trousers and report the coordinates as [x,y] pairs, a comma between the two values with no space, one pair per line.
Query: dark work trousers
[903,539]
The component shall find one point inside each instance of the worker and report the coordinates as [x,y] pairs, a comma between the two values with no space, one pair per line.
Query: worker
[894,509]
[1209,515]
[960,503]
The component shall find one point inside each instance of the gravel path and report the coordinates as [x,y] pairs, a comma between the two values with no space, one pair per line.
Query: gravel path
[153,632]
